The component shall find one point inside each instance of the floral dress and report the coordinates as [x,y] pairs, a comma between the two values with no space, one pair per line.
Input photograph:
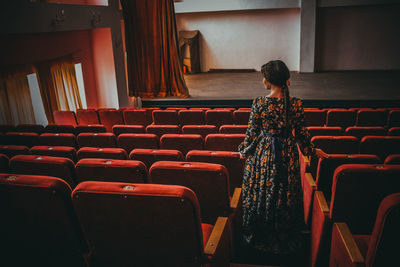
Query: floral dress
[272,197]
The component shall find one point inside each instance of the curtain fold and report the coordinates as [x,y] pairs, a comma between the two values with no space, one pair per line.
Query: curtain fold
[152,46]
[47,91]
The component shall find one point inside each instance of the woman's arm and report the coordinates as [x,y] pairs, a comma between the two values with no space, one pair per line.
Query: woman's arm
[247,147]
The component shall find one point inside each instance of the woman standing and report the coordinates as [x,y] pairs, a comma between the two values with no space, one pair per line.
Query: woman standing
[272,195]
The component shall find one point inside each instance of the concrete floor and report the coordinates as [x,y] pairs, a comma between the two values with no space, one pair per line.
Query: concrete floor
[351,85]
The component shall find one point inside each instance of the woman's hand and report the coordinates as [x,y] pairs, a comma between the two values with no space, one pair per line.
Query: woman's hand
[321,154]
[242,156]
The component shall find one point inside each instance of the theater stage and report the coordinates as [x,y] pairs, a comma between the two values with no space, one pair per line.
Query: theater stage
[327,89]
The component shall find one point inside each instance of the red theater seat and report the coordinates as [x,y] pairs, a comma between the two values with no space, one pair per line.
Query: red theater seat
[231,160]
[393,119]
[360,132]
[94,128]
[39,225]
[325,131]
[337,144]
[160,130]
[4,166]
[111,170]
[54,128]
[228,109]
[203,130]
[161,226]
[233,129]
[22,139]
[64,117]
[120,129]
[393,159]
[132,141]
[102,153]
[192,117]
[377,249]
[394,131]
[55,151]
[165,117]
[149,114]
[58,139]
[176,109]
[29,128]
[241,117]
[149,156]
[87,117]
[182,142]
[382,146]
[219,117]
[341,117]
[11,150]
[224,142]
[356,193]
[135,117]
[62,168]
[109,118]
[97,140]
[369,117]
[4,128]
[315,117]
[203,109]
[210,182]
[324,177]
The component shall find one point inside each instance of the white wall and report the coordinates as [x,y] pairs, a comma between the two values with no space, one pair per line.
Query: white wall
[358,38]
[245,39]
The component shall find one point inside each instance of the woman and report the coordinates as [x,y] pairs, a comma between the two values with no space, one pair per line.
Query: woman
[272,195]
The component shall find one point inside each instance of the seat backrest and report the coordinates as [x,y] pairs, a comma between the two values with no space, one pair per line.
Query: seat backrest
[209,181]
[132,141]
[315,117]
[161,224]
[4,128]
[219,117]
[224,142]
[160,130]
[231,160]
[325,131]
[394,131]
[341,117]
[55,151]
[58,139]
[40,228]
[369,117]
[337,144]
[165,117]
[11,150]
[191,117]
[96,140]
[203,130]
[101,153]
[361,131]
[120,129]
[382,146]
[64,117]
[383,249]
[135,117]
[182,142]
[393,119]
[233,129]
[4,166]
[92,128]
[393,159]
[29,128]
[327,167]
[241,117]
[62,168]
[149,156]
[357,191]
[55,128]
[87,116]
[111,170]
[109,118]
[22,139]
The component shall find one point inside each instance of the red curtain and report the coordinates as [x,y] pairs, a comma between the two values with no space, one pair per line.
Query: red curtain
[152,46]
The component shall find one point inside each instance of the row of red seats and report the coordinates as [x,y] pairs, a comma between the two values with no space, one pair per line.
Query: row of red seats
[357,131]
[110,224]
[181,142]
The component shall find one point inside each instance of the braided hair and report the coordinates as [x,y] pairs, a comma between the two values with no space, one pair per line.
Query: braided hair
[277,73]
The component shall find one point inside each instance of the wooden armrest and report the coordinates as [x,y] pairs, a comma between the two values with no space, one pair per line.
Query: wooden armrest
[310,180]
[349,243]
[309,187]
[217,247]
[323,205]
[306,160]
[236,198]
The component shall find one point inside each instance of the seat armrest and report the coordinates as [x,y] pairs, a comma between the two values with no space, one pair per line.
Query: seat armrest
[236,198]
[218,245]
[309,188]
[344,249]
[320,231]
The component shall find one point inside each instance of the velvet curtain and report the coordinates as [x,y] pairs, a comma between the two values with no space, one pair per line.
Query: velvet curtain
[154,68]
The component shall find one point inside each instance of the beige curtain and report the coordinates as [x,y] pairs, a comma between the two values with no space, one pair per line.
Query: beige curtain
[15,99]
[66,86]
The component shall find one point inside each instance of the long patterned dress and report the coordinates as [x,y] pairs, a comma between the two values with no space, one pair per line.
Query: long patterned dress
[272,197]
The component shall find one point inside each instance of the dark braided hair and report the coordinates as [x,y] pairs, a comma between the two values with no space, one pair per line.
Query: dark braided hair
[277,73]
